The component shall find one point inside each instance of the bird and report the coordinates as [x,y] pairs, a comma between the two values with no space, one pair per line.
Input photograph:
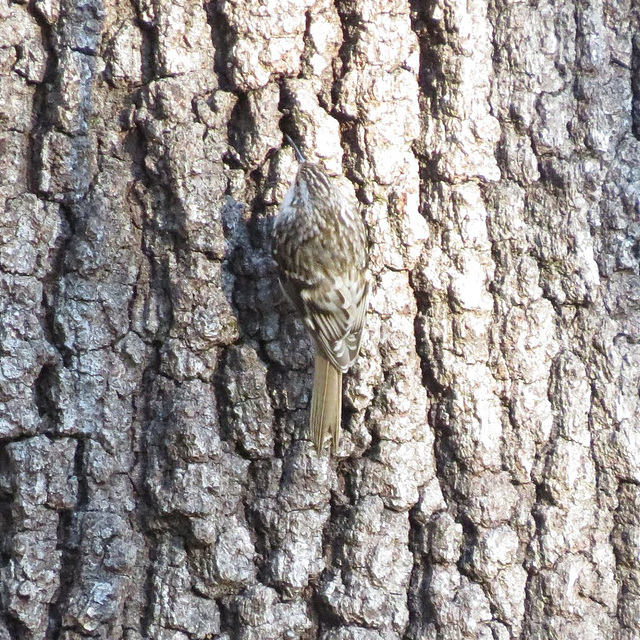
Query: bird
[320,245]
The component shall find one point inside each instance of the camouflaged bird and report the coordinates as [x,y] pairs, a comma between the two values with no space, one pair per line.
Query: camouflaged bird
[320,245]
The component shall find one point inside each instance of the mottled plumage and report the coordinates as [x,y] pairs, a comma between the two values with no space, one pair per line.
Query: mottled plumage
[320,245]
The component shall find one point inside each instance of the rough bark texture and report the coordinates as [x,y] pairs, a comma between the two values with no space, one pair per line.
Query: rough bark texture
[156,478]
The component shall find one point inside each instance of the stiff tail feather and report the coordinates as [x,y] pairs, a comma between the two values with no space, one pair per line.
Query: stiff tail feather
[326,403]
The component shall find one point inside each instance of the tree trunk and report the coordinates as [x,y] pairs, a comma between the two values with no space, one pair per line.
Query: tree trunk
[156,475]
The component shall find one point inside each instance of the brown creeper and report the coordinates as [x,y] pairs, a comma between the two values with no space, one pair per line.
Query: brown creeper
[320,245]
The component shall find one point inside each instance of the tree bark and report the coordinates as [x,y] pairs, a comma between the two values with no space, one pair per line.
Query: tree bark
[156,476]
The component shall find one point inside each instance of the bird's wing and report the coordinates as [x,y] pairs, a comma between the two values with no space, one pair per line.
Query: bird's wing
[334,313]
